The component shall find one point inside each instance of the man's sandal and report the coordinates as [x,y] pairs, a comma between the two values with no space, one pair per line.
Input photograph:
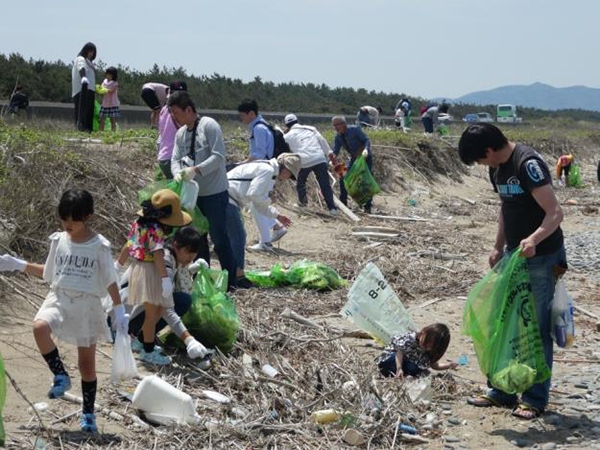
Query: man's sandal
[526,412]
[483,401]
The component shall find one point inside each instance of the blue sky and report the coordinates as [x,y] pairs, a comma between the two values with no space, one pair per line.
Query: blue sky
[431,48]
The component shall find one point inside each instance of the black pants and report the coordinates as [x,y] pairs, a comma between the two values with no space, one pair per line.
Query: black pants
[165,168]
[344,192]
[387,367]
[427,124]
[84,109]
[322,175]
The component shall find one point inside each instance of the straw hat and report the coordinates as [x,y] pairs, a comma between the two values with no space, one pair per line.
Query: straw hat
[165,207]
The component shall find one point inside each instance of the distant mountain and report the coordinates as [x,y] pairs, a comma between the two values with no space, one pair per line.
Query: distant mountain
[538,95]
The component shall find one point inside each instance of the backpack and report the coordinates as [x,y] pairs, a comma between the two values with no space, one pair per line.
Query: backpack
[279,144]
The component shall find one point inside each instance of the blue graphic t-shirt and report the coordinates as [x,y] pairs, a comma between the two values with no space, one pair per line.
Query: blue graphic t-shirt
[514,181]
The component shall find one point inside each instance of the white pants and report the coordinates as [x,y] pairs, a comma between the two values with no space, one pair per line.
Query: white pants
[264,224]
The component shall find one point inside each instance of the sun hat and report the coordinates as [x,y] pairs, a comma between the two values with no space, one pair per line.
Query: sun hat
[290,118]
[291,162]
[165,207]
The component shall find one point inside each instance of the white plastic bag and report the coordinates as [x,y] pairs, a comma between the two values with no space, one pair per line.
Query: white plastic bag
[375,308]
[189,194]
[563,324]
[123,365]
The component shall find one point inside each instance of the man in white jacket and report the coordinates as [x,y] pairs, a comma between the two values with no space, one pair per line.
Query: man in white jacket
[314,152]
[250,185]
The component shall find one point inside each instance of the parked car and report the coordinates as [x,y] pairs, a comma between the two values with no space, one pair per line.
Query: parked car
[484,117]
[445,117]
[470,118]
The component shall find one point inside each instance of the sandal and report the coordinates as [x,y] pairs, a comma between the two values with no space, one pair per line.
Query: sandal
[483,401]
[526,412]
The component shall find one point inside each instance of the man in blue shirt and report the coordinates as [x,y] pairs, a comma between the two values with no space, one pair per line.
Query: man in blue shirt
[354,141]
[262,146]
[261,138]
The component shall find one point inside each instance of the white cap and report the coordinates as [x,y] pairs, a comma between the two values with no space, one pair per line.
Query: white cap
[290,118]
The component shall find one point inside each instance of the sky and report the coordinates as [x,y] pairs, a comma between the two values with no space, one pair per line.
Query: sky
[427,48]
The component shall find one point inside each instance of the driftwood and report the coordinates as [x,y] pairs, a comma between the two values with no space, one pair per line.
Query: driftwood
[398,218]
[344,209]
[587,313]
[436,255]
[289,314]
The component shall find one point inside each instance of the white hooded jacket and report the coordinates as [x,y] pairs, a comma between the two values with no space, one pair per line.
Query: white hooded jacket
[308,143]
[250,184]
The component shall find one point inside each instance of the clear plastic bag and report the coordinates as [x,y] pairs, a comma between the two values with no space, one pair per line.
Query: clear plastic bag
[189,194]
[375,308]
[123,366]
[563,324]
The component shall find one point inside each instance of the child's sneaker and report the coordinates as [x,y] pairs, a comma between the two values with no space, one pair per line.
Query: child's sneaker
[88,423]
[61,384]
[154,357]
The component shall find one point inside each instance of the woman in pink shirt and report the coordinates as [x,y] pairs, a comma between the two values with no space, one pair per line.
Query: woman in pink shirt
[110,100]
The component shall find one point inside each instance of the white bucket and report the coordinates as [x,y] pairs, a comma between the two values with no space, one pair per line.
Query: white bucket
[159,399]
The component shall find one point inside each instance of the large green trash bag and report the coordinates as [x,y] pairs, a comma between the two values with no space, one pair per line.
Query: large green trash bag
[500,317]
[575,179]
[212,319]
[2,400]
[96,120]
[199,220]
[303,274]
[360,183]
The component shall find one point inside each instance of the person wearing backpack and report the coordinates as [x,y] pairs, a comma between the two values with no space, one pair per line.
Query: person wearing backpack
[199,155]
[263,140]
[314,152]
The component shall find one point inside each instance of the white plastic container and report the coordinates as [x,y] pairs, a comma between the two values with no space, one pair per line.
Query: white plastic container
[163,403]
[269,370]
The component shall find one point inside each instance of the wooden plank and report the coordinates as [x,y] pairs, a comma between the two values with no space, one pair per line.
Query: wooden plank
[376,230]
[398,218]
[375,234]
[587,313]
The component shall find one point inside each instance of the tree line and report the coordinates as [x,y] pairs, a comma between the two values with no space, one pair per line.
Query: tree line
[51,81]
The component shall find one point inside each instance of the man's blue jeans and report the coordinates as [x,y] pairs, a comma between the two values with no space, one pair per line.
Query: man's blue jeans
[237,234]
[214,207]
[541,274]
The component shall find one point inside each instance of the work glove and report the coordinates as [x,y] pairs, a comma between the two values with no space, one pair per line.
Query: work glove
[85,81]
[365,153]
[196,265]
[195,349]
[167,287]
[186,174]
[11,264]
[121,319]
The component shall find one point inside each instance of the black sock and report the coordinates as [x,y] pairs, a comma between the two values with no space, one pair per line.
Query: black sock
[140,337]
[148,347]
[88,389]
[55,363]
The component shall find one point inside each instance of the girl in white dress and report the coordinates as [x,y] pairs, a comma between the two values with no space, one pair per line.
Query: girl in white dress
[80,271]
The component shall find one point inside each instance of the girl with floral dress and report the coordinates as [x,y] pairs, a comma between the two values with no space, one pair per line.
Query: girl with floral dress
[80,271]
[149,282]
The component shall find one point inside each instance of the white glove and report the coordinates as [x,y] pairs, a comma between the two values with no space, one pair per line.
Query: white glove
[121,319]
[195,266]
[84,80]
[167,287]
[186,174]
[195,349]
[118,266]
[10,264]
[365,153]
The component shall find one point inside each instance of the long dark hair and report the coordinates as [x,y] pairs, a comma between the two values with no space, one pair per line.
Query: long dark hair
[438,335]
[89,47]
[113,71]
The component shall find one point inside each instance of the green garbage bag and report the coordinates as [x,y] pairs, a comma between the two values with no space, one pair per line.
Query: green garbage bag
[199,220]
[302,274]
[443,130]
[575,179]
[501,319]
[2,400]
[212,318]
[360,183]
